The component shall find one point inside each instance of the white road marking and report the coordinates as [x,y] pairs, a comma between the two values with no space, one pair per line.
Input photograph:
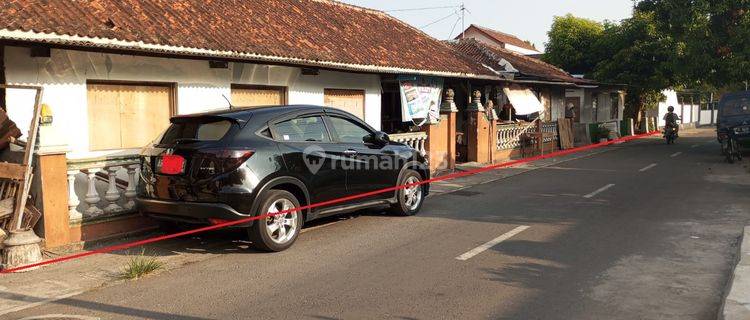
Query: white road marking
[38,303]
[695,146]
[676,154]
[489,244]
[598,191]
[644,169]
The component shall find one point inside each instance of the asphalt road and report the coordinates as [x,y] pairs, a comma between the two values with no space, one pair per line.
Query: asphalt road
[646,231]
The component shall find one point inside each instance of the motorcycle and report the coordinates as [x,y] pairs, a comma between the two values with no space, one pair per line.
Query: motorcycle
[730,148]
[670,134]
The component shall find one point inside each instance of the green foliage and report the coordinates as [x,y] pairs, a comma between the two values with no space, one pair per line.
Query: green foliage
[140,266]
[696,44]
[712,39]
[571,41]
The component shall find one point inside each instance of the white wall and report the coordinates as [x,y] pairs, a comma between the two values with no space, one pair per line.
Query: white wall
[520,50]
[199,88]
[670,101]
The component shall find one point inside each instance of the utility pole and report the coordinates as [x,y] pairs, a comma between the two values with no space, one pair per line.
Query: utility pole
[463,27]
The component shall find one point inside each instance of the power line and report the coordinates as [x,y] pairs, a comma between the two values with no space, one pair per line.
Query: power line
[438,20]
[450,36]
[421,9]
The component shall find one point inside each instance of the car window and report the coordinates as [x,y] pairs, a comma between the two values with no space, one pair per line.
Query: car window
[349,131]
[302,129]
[736,106]
[198,129]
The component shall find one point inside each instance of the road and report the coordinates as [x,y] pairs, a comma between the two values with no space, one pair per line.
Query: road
[645,231]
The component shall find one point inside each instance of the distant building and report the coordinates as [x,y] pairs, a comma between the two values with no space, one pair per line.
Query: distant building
[499,39]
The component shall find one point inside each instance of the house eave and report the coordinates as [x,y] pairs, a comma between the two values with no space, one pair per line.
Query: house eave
[143,47]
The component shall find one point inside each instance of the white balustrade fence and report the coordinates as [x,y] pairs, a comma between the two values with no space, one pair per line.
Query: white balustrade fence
[102,187]
[509,135]
[416,140]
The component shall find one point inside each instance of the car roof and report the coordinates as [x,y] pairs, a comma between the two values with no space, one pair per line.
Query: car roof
[243,114]
[739,94]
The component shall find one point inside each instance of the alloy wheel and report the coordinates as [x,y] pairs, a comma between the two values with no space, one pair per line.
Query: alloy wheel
[283,227]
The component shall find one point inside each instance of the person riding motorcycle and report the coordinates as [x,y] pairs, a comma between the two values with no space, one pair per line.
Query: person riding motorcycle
[670,120]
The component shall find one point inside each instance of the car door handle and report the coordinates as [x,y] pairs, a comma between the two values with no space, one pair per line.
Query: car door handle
[350,152]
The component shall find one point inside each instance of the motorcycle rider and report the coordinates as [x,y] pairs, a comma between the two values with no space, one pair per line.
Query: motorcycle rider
[670,120]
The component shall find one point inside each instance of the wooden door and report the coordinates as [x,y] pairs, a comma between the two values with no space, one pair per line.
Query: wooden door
[576,102]
[257,96]
[352,101]
[125,116]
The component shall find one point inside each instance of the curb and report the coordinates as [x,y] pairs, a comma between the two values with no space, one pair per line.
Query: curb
[736,304]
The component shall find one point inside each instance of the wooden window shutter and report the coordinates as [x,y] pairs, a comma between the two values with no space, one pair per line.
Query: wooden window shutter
[256,96]
[127,116]
[352,101]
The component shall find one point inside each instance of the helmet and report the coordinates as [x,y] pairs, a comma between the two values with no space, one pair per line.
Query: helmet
[670,109]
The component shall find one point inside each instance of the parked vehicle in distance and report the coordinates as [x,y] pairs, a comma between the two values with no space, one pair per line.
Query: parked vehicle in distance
[225,166]
[733,124]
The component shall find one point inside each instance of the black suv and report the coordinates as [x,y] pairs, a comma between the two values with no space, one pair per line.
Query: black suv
[216,167]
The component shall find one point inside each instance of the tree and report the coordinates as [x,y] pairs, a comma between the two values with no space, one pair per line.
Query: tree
[571,41]
[712,39]
[636,53]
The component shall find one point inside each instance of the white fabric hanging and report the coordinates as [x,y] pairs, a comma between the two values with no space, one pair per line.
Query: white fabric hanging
[523,100]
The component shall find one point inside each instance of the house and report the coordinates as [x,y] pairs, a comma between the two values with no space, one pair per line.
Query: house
[115,71]
[525,79]
[498,39]
[594,103]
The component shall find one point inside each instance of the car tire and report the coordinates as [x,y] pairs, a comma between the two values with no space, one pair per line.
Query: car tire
[276,233]
[409,200]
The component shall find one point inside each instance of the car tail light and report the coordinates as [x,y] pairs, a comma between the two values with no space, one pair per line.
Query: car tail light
[218,161]
[170,164]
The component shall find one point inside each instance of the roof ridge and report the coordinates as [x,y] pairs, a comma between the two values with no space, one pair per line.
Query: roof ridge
[535,60]
[352,6]
[498,31]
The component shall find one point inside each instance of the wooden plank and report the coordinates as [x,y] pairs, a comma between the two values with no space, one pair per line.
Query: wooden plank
[104,116]
[127,115]
[249,97]
[565,130]
[352,101]
[144,114]
[12,171]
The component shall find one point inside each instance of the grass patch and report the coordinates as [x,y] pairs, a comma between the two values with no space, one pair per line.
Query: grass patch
[140,266]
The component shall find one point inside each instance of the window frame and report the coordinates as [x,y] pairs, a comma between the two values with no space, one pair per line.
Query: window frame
[275,136]
[363,92]
[341,114]
[240,86]
[172,87]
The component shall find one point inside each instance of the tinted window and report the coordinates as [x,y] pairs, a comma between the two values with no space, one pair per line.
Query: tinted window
[197,130]
[349,131]
[736,106]
[302,129]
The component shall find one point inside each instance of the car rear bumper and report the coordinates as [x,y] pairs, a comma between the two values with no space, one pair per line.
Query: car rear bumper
[188,212]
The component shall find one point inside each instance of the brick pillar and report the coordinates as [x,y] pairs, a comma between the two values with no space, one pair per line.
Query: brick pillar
[448,112]
[478,130]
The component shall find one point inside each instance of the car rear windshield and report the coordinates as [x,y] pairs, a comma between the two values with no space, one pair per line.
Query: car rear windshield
[736,106]
[198,130]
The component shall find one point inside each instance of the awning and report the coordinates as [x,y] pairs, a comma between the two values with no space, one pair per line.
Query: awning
[523,100]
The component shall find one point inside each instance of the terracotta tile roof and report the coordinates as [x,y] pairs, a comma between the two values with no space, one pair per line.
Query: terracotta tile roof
[494,57]
[503,37]
[321,33]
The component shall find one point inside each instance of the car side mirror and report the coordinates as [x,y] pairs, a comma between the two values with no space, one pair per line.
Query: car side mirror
[377,138]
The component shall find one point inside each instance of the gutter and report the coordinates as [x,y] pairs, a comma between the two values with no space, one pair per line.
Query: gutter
[96,42]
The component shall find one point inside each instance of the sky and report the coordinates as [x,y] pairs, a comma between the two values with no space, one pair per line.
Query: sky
[527,19]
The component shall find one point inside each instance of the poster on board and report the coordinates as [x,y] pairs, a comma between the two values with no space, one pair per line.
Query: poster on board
[420,98]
